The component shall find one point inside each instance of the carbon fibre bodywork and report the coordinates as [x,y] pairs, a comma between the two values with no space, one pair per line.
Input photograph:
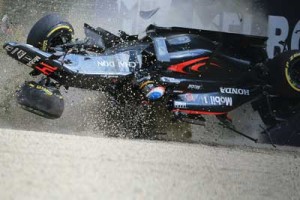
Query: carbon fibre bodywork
[201,72]
[204,71]
[209,72]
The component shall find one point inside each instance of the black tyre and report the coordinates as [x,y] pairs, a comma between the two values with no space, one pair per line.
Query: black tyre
[285,73]
[50,31]
[44,101]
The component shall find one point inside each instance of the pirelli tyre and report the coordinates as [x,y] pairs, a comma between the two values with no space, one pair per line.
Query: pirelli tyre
[44,101]
[285,74]
[50,31]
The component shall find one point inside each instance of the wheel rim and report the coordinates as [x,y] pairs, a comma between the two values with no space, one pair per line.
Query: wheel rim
[58,40]
[293,74]
[60,37]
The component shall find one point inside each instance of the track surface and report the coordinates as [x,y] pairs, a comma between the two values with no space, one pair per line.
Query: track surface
[36,165]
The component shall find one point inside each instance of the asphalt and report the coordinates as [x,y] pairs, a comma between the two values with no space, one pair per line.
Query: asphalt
[37,165]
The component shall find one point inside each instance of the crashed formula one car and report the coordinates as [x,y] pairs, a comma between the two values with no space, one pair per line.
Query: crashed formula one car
[192,72]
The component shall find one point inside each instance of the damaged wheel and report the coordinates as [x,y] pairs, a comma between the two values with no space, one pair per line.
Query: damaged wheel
[285,73]
[50,31]
[38,99]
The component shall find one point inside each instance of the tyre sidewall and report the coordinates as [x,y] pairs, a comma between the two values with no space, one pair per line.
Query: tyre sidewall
[46,29]
[295,57]
[64,28]
[44,101]
[280,77]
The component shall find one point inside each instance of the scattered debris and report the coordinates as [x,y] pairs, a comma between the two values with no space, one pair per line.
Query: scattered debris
[6,25]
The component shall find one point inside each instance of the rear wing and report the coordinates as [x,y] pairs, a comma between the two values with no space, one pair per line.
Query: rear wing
[100,37]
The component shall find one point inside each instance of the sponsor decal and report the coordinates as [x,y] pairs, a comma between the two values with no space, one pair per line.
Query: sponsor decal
[179,104]
[199,100]
[33,61]
[27,58]
[120,64]
[220,101]
[189,97]
[9,48]
[14,51]
[45,45]
[46,69]
[156,93]
[195,87]
[47,92]
[193,65]
[109,76]
[170,80]
[21,54]
[181,66]
[236,91]
[178,91]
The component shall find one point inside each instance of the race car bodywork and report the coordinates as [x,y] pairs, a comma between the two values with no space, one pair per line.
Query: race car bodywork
[202,72]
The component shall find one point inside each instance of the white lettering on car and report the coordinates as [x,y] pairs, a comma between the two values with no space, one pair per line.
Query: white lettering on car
[27,58]
[15,50]
[33,61]
[178,104]
[221,101]
[9,48]
[236,91]
[106,63]
[21,54]
[122,64]
[194,87]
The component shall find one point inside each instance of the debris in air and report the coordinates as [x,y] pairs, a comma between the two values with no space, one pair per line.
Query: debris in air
[148,14]
[5,25]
